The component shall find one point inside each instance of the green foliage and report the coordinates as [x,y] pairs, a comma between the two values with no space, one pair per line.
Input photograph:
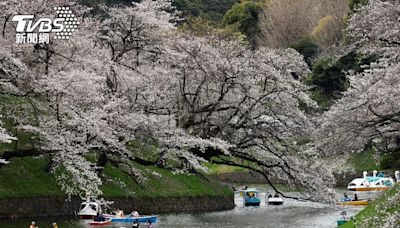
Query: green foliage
[391,160]
[328,77]
[354,4]
[199,26]
[144,149]
[216,168]
[328,31]
[20,106]
[396,159]
[364,161]
[306,47]
[244,15]
[386,161]
[26,177]
[212,10]
[117,183]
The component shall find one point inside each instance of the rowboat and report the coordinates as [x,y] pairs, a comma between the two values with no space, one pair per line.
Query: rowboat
[141,219]
[344,219]
[376,182]
[88,209]
[275,200]
[354,203]
[341,222]
[251,197]
[100,223]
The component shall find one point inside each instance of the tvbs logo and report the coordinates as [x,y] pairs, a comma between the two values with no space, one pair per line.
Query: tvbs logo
[44,24]
[34,32]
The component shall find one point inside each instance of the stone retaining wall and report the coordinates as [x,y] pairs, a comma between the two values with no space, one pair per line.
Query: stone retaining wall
[58,206]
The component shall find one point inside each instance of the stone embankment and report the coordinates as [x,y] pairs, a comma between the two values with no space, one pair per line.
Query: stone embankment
[58,206]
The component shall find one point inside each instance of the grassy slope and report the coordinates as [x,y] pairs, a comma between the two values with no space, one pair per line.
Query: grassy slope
[363,161]
[21,107]
[166,185]
[26,177]
[216,168]
[372,210]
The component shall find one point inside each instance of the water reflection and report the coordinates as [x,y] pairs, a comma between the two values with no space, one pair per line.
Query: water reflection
[291,214]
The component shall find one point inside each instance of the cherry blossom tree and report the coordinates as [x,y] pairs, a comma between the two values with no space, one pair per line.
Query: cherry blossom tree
[74,120]
[369,110]
[252,100]
[128,75]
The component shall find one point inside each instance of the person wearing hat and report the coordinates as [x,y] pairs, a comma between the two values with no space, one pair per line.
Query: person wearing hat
[33,223]
[55,225]
[134,214]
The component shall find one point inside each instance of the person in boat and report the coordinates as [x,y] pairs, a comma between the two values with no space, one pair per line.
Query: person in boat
[149,225]
[270,195]
[344,216]
[119,213]
[276,195]
[99,218]
[346,197]
[355,197]
[134,214]
[135,225]
[55,225]
[33,223]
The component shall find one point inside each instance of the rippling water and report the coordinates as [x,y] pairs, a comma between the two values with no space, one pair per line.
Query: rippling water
[291,214]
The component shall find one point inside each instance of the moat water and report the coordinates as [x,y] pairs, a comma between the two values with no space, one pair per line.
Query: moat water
[291,214]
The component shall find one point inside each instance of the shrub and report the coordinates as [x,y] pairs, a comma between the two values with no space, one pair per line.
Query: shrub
[387,161]
[328,77]
[328,31]
[245,16]
[307,48]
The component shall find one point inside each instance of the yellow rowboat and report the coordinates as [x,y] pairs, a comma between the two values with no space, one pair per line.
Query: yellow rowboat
[365,189]
[354,203]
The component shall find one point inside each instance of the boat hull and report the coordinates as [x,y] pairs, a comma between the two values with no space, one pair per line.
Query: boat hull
[354,203]
[341,222]
[275,203]
[252,204]
[365,189]
[84,217]
[143,219]
[102,223]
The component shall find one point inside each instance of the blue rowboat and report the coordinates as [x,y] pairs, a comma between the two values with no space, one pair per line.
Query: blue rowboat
[251,197]
[341,222]
[142,219]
